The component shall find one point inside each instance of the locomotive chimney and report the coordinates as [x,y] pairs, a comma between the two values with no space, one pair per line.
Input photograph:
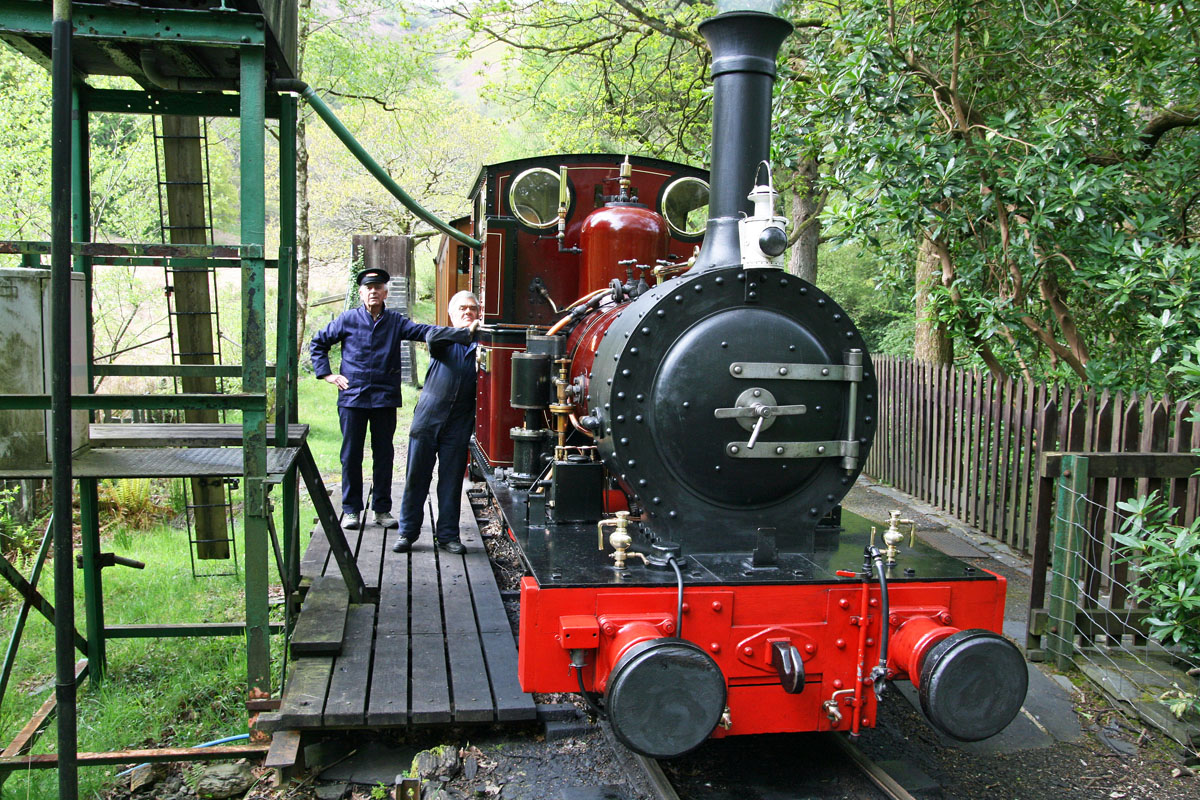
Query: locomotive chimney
[744,45]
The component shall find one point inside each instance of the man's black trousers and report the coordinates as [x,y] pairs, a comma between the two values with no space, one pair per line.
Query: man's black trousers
[448,446]
[355,421]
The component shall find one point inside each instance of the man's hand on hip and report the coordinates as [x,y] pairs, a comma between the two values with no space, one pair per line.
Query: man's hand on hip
[338,380]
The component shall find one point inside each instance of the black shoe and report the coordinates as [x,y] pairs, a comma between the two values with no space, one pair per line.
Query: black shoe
[402,545]
[453,546]
[352,521]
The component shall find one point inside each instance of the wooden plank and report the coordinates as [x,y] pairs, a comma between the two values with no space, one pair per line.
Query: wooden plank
[369,555]
[960,438]
[1180,437]
[1004,502]
[469,683]
[322,623]
[1127,465]
[346,701]
[971,478]
[219,753]
[333,531]
[388,703]
[1127,440]
[501,653]
[1096,562]
[304,694]
[316,555]
[988,446]
[943,442]
[995,496]
[430,698]
[1192,507]
[1043,504]
[1013,466]
[1025,475]
[284,751]
[929,414]
[23,742]
[472,697]
[425,601]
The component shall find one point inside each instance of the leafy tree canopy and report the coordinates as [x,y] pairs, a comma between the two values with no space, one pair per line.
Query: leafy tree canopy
[1046,151]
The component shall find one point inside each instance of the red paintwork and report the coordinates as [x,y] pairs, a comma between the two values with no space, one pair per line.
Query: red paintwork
[581,348]
[494,414]
[537,252]
[736,625]
[514,256]
[619,233]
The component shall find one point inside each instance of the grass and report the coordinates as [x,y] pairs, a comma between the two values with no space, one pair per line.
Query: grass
[160,692]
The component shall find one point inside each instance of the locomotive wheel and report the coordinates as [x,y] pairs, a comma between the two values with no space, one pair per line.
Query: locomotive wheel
[973,684]
[664,697]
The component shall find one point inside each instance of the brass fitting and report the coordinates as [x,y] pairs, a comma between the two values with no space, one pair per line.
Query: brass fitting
[562,408]
[619,539]
[893,536]
[832,706]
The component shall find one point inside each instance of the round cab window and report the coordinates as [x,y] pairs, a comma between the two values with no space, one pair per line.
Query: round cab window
[685,206]
[533,197]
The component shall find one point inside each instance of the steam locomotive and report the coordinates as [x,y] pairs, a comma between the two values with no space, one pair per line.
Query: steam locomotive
[667,421]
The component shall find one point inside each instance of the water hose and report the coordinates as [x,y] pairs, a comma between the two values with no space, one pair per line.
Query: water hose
[342,132]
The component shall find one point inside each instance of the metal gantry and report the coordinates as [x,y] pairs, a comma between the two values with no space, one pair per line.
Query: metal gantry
[211,53]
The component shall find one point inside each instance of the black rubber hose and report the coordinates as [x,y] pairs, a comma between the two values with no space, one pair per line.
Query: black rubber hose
[587,696]
[679,601]
[880,672]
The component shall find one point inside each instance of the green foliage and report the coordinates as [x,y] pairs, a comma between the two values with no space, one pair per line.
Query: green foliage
[1166,562]
[600,76]
[16,537]
[1049,158]
[882,313]
[1166,557]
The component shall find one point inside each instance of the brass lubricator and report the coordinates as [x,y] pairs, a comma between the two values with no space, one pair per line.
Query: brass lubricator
[619,539]
[893,536]
[561,409]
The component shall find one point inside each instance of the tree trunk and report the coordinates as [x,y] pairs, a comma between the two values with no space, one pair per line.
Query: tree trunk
[931,342]
[806,206]
[302,237]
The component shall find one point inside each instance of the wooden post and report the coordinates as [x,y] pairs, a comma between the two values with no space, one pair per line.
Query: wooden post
[184,171]
[1064,586]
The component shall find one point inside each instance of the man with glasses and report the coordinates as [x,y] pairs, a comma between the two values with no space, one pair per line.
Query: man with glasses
[369,388]
[441,430]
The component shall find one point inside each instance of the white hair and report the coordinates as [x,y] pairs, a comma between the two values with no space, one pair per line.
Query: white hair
[458,298]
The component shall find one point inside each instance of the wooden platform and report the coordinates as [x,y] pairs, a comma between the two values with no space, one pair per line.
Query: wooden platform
[437,648]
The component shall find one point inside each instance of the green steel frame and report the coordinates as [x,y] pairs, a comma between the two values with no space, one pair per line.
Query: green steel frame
[70,249]
[25,24]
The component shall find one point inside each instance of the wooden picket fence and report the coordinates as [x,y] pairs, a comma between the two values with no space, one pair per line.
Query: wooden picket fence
[969,444]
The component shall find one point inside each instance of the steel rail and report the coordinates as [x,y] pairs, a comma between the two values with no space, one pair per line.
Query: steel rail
[886,783]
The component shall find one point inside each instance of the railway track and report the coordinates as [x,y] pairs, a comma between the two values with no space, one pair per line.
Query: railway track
[785,767]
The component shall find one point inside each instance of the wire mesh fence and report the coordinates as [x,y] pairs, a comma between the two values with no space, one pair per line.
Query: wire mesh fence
[1097,622]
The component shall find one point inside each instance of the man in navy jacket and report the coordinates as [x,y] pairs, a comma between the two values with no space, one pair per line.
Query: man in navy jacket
[369,388]
[441,430]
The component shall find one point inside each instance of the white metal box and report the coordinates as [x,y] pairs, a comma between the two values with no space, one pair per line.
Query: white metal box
[25,352]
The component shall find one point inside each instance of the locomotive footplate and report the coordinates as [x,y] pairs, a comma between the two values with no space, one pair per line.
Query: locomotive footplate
[566,554]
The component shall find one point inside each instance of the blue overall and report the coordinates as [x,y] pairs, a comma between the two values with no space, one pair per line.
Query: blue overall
[441,430]
[371,363]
